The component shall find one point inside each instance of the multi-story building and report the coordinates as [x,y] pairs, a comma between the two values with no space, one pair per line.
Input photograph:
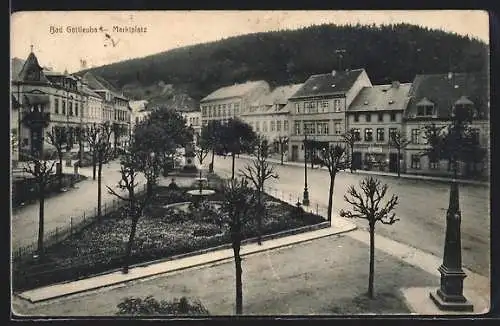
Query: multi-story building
[318,108]
[269,116]
[374,115]
[139,112]
[47,100]
[231,101]
[433,100]
[116,109]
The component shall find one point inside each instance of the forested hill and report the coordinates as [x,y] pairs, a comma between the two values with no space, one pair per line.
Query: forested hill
[391,52]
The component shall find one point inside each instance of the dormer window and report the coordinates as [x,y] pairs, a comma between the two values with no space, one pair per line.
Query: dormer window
[425,108]
[463,107]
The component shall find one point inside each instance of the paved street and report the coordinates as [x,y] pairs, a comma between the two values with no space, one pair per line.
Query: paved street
[422,208]
[59,208]
[283,281]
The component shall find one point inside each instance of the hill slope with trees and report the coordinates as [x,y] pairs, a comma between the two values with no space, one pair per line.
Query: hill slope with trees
[390,52]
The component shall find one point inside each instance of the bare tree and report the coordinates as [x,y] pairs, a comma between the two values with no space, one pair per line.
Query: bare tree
[367,205]
[350,138]
[399,142]
[335,159]
[236,208]
[41,172]
[92,137]
[130,166]
[258,172]
[103,151]
[58,137]
[282,142]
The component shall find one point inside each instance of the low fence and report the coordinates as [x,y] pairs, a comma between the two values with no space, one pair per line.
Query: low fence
[294,198]
[74,225]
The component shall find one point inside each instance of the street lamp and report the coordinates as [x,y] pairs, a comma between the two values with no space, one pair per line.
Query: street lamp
[450,294]
[305,200]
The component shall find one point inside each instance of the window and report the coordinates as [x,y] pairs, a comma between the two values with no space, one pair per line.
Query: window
[76,109]
[337,127]
[56,106]
[236,108]
[392,133]
[429,110]
[296,127]
[272,125]
[285,125]
[415,161]
[70,108]
[219,110]
[357,134]
[204,111]
[368,117]
[393,116]
[223,112]
[323,128]
[309,128]
[264,126]
[310,107]
[380,134]
[278,125]
[414,136]
[434,165]
[257,126]
[356,117]
[297,107]
[336,105]
[325,105]
[380,117]
[425,110]
[368,134]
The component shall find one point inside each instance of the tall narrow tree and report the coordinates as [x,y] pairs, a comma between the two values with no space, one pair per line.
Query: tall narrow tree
[203,148]
[282,143]
[398,141]
[236,213]
[237,137]
[335,159]
[91,135]
[367,205]
[258,172]
[41,172]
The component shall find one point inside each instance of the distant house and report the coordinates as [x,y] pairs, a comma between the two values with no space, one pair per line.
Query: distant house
[269,116]
[193,120]
[433,99]
[231,101]
[318,109]
[375,114]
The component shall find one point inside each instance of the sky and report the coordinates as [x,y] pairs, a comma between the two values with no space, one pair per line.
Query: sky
[61,48]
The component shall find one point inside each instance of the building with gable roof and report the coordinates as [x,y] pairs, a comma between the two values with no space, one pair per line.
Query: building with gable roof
[375,114]
[318,109]
[432,100]
[231,101]
[269,116]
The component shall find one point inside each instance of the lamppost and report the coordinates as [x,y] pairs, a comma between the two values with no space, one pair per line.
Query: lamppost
[305,199]
[450,294]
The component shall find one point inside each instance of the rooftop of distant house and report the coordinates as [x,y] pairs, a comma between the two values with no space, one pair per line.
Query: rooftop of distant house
[236,90]
[382,98]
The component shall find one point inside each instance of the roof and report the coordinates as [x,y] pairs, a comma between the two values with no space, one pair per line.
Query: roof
[443,92]
[381,97]
[31,65]
[236,90]
[281,94]
[98,83]
[328,84]
[87,91]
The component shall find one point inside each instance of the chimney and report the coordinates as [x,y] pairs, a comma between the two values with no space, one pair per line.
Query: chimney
[450,75]
[396,84]
[334,73]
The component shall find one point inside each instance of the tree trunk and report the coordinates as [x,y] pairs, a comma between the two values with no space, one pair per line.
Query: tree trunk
[130,242]
[60,172]
[211,167]
[330,197]
[399,162]
[372,261]
[239,286]
[259,216]
[149,188]
[232,166]
[352,155]
[94,164]
[41,220]
[282,153]
[99,179]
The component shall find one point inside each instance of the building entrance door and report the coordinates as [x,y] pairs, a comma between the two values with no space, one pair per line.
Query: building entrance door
[295,153]
[393,162]
[356,161]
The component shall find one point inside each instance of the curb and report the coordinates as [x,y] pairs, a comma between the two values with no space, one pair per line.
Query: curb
[314,227]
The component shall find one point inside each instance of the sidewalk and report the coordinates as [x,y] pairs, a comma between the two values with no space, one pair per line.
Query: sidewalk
[60,208]
[381,173]
[339,225]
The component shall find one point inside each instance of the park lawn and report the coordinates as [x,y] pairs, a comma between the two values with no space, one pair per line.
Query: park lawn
[161,233]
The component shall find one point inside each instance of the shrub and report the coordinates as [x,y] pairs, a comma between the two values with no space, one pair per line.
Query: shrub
[151,307]
[207,230]
[172,196]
